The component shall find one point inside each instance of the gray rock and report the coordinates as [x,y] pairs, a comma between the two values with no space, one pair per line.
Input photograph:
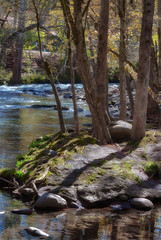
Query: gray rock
[27,211]
[67,95]
[141,203]
[45,189]
[50,201]
[27,192]
[68,193]
[110,187]
[80,110]
[120,129]
[50,152]
[123,197]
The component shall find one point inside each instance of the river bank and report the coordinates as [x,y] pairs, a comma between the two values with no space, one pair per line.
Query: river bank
[119,158]
[86,174]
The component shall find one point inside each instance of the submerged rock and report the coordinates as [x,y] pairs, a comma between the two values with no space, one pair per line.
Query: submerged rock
[27,211]
[141,203]
[50,201]
[36,232]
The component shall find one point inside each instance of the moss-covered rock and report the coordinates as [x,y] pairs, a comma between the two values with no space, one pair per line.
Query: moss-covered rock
[96,174]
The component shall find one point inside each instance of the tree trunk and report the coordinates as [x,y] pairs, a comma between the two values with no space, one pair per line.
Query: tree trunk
[154,70]
[72,75]
[16,77]
[122,57]
[58,103]
[159,38]
[49,74]
[101,67]
[141,98]
[93,88]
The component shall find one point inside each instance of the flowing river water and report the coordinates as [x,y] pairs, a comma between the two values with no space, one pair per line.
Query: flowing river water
[20,123]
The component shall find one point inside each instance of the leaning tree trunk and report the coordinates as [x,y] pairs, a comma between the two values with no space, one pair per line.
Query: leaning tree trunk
[122,57]
[48,71]
[141,98]
[16,77]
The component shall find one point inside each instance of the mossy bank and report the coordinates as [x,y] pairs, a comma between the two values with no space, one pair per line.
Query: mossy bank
[76,168]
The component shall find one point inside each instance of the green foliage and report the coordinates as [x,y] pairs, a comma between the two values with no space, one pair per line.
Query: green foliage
[5,76]
[19,175]
[151,169]
[9,174]
[40,142]
[28,78]
[21,161]
[139,181]
[113,75]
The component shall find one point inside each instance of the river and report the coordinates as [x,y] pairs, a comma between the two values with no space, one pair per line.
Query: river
[21,123]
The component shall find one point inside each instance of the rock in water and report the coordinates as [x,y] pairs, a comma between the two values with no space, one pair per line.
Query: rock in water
[50,201]
[141,203]
[26,211]
[36,232]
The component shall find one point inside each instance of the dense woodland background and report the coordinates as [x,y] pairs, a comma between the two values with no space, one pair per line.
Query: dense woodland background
[92,41]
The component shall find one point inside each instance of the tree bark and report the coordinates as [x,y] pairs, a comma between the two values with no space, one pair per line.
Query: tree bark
[101,67]
[141,98]
[49,74]
[16,77]
[72,74]
[122,57]
[91,87]
[159,38]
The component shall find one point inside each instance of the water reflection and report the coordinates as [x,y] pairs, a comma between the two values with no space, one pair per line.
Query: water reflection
[86,225]
[100,224]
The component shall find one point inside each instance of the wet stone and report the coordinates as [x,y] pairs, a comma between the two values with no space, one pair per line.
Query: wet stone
[141,203]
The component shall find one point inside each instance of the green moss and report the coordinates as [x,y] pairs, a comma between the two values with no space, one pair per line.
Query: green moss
[40,142]
[150,138]
[71,141]
[152,169]
[123,169]
[138,180]
[10,174]
[20,163]
[92,178]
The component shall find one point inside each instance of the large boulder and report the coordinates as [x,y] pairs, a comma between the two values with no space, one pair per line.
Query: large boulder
[100,193]
[50,201]
[120,129]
